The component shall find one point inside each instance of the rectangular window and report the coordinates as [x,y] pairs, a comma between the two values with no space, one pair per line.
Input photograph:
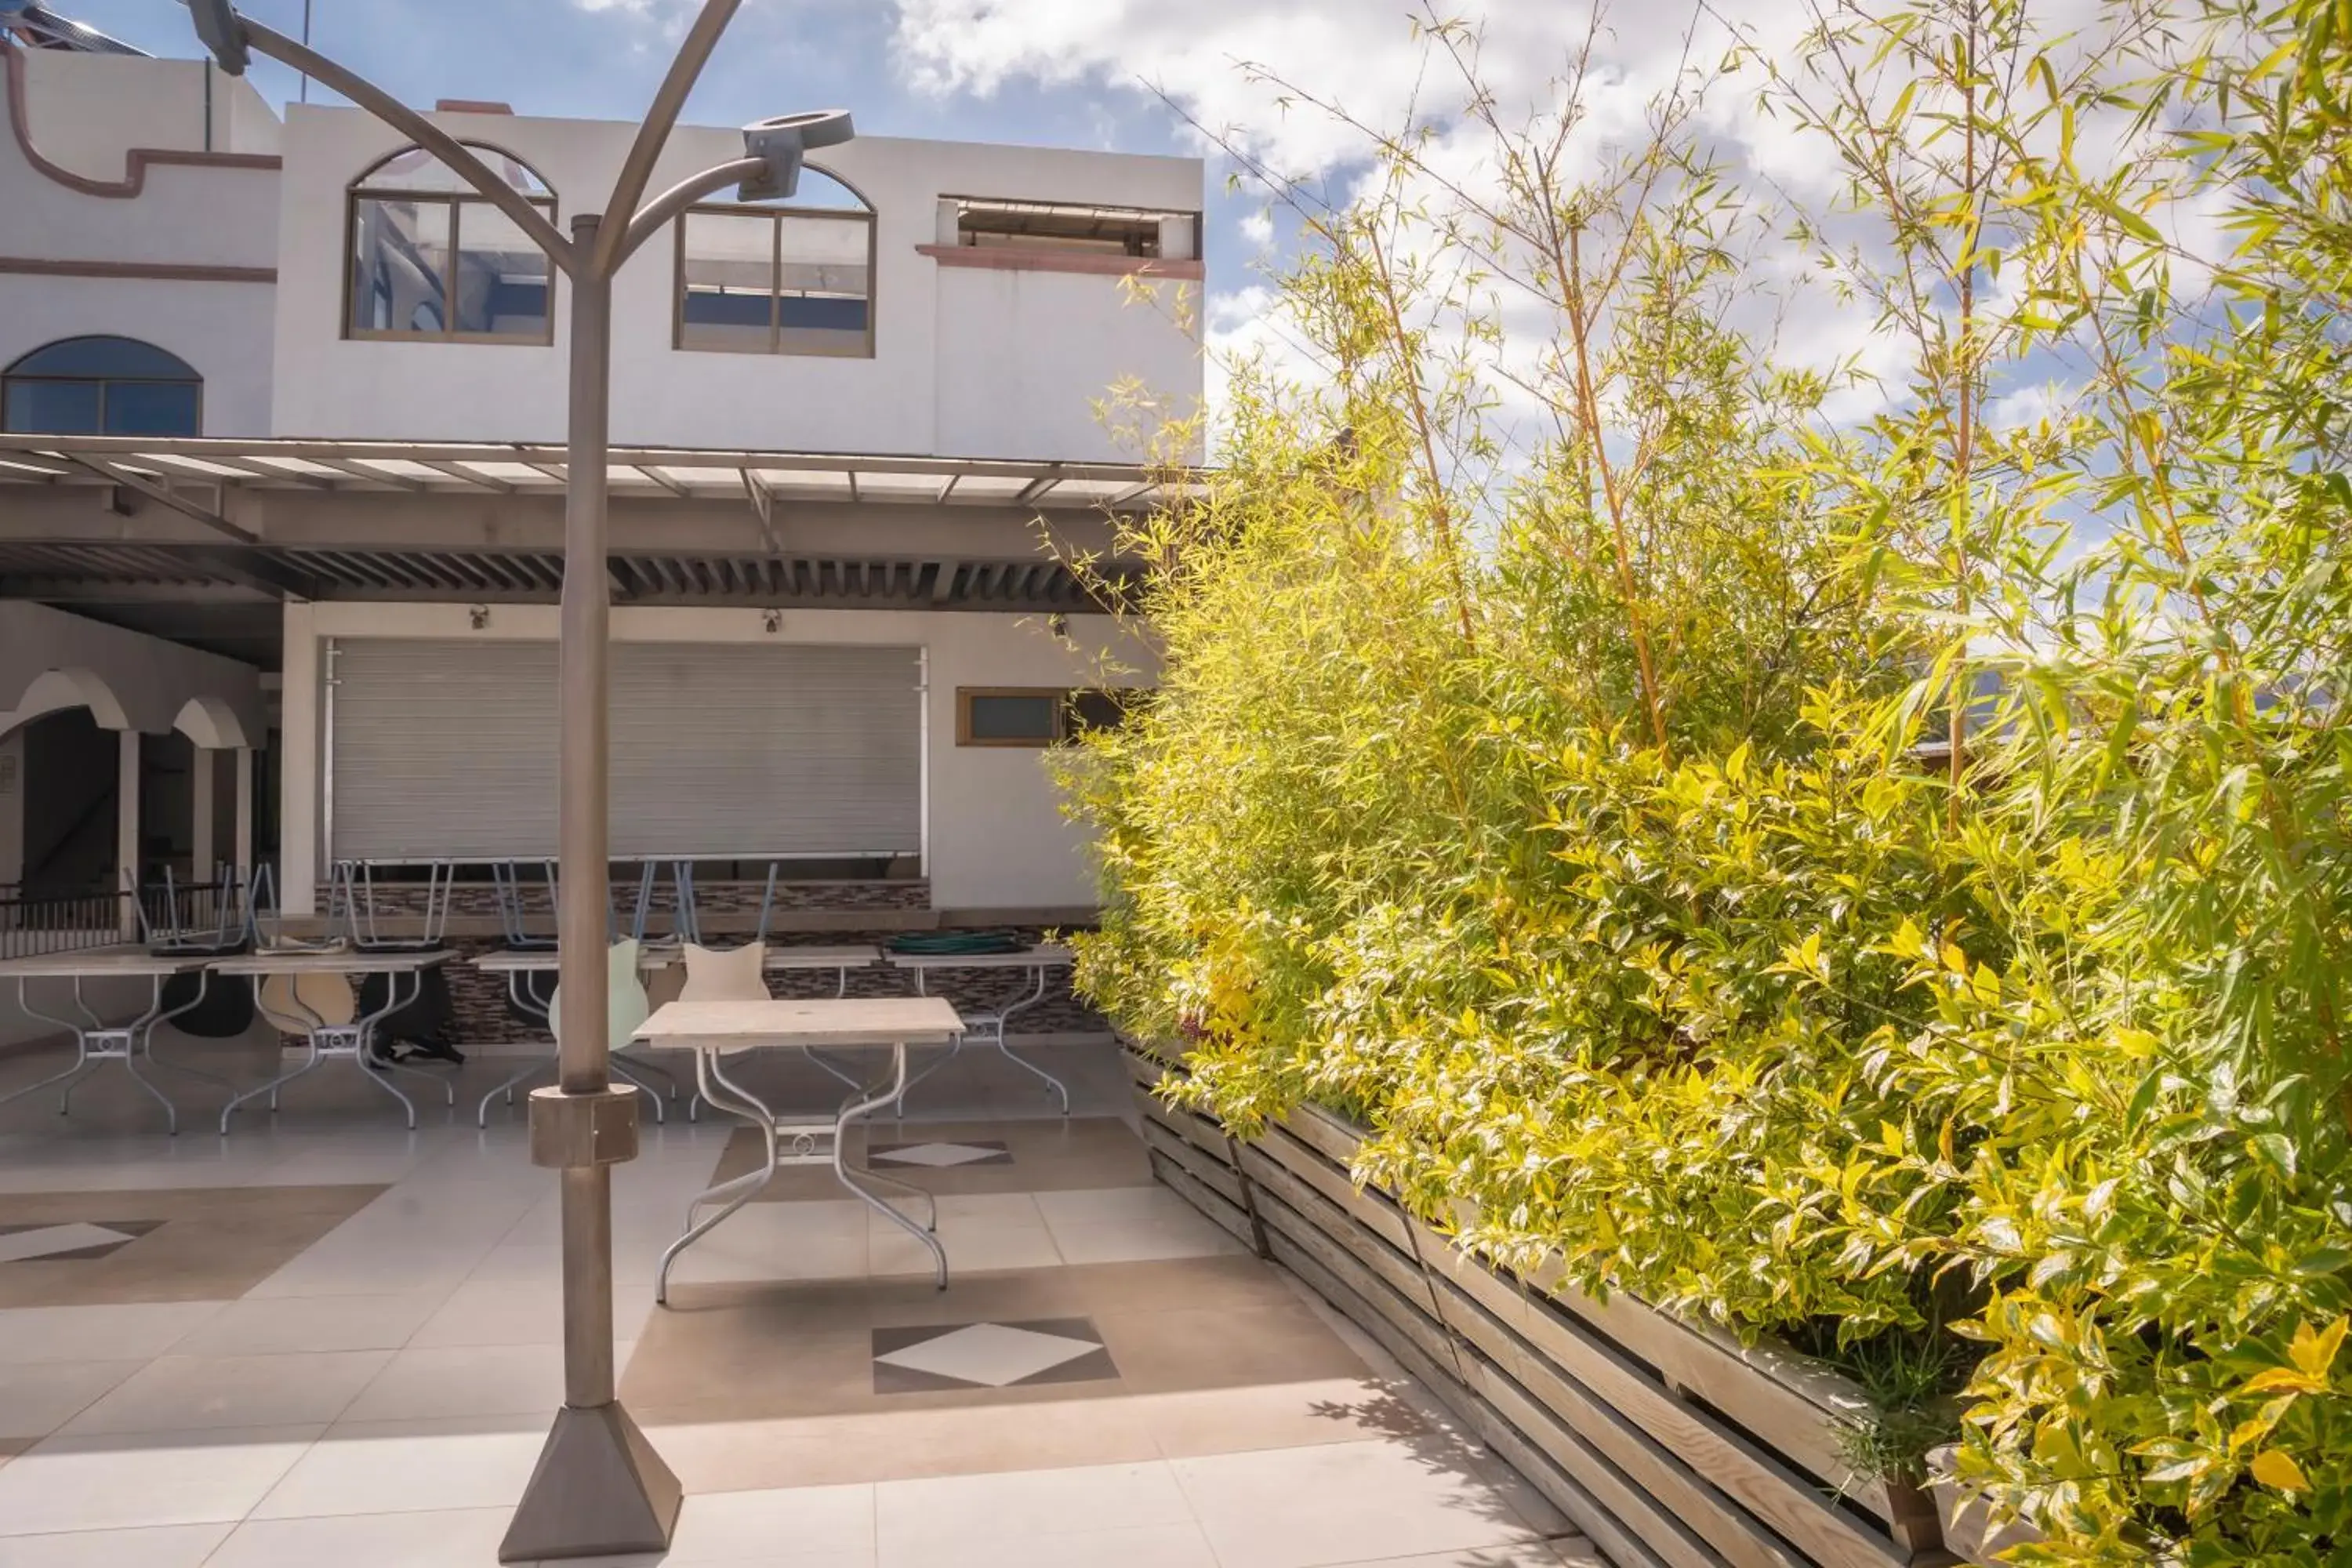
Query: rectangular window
[1036,715]
[776,281]
[445,268]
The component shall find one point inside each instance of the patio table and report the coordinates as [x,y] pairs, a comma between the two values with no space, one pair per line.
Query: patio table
[355,1040]
[716,1030]
[96,1042]
[517,964]
[1034,961]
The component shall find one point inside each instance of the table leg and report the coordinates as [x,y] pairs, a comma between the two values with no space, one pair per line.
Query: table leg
[81,1063]
[842,1170]
[274,1084]
[142,1028]
[742,1188]
[523,1002]
[147,1039]
[1005,1023]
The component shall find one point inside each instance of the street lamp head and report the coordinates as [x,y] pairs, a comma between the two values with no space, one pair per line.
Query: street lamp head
[217,25]
[782,141]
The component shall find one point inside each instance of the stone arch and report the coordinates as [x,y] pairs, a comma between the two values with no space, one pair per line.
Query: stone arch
[212,723]
[55,689]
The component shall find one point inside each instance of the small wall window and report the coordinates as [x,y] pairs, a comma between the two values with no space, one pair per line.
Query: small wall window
[1072,226]
[431,258]
[1035,715]
[795,279]
[101,386]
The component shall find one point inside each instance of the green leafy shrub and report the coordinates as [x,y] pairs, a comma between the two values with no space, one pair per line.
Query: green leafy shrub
[1884,884]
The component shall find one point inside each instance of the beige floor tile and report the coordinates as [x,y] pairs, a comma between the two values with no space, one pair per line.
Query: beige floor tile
[940,1513]
[177,1393]
[137,1331]
[1167,1352]
[119,1482]
[409,1467]
[782,1241]
[1343,1502]
[454,1538]
[428,1384]
[1275,1415]
[1128,1224]
[805,1522]
[980,1232]
[36,1399]
[287,1325]
[736,1455]
[1134,1546]
[523,1313]
[166,1546]
[212,1244]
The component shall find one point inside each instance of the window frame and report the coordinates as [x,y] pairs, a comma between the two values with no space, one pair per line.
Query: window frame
[10,378]
[775,276]
[363,189]
[1064,699]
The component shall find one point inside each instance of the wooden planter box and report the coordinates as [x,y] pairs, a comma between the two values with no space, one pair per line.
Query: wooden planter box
[1668,1445]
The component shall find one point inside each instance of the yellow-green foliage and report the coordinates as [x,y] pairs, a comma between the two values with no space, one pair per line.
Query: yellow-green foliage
[1563,812]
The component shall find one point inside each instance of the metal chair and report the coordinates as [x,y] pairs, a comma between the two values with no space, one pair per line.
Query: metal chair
[625,1010]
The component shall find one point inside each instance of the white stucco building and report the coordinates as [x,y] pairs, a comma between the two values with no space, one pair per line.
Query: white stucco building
[282,417]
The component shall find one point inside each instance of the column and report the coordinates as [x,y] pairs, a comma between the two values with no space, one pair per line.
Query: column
[245,812]
[203,773]
[126,831]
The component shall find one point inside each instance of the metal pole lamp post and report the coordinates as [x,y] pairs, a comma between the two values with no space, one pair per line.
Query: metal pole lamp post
[599,1488]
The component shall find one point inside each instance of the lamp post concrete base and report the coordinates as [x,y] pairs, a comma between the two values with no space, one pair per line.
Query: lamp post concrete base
[599,1489]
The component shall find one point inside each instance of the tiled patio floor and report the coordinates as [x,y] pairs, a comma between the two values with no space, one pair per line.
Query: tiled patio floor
[327,1340]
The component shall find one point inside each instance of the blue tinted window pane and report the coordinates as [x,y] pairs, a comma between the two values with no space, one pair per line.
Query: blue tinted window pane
[501,276]
[399,252]
[151,408]
[53,407]
[99,357]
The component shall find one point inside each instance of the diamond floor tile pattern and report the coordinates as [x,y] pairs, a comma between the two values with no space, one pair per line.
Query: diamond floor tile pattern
[989,1355]
[74,1240]
[940,1157]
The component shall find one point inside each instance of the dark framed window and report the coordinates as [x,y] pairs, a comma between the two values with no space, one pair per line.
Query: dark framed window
[430,259]
[795,279]
[1037,716]
[983,222]
[102,386]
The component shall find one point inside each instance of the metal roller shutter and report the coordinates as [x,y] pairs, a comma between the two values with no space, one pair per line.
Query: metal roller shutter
[447,749]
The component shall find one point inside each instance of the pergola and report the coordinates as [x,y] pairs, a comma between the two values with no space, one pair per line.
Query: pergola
[174,535]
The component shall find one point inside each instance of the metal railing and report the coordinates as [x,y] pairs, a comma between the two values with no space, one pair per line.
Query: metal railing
[35,925]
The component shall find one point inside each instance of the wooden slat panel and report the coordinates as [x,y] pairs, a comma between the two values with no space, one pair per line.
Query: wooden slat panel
[1600,1502]
[1396,1269]
[1311,1166]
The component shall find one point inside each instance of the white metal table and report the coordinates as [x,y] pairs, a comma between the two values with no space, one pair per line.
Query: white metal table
[96,1042]
[990,1027]
[716,1030]
[517,964]
[355,1040]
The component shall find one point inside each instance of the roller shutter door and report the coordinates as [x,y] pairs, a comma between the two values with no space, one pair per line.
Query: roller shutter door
[447,750]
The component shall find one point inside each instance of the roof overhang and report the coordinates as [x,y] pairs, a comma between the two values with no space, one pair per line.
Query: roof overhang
[85,517]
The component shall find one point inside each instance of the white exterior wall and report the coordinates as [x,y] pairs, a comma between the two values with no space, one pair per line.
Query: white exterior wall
[221,329]
[90,110]
[995,837]
[1022,386]
[183,217]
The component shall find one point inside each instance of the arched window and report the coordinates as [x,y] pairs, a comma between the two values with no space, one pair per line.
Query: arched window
[792,277]
[433,260]
[102,386]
